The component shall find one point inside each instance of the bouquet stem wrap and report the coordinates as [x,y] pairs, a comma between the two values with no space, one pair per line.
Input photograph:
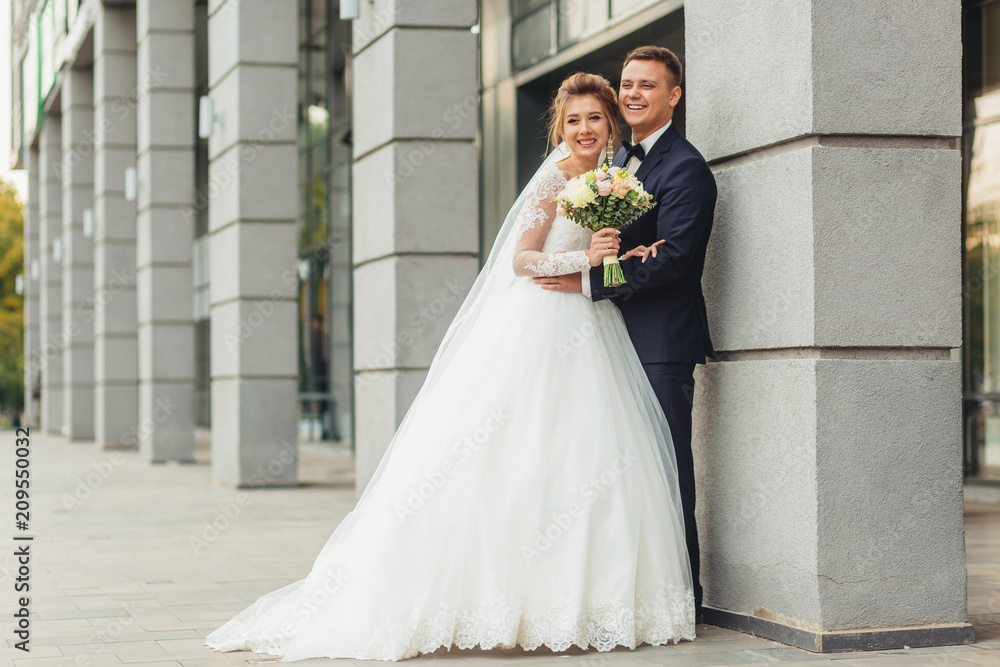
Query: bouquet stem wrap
[613,276]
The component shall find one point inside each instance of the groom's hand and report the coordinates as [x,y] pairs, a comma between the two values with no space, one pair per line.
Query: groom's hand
[571,282]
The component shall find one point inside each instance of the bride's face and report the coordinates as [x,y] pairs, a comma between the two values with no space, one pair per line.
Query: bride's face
[586,128]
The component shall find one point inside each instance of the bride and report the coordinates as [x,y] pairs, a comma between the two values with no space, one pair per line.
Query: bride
[529,496]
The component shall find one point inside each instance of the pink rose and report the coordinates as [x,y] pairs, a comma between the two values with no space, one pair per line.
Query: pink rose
[621,188]
[601,175]
[604,188]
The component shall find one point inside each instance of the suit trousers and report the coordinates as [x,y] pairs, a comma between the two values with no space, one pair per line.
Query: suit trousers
[673,384]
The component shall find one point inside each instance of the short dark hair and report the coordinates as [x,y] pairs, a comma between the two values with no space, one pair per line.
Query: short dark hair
[660,54]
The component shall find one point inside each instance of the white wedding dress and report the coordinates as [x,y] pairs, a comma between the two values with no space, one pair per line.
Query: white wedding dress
[529,496]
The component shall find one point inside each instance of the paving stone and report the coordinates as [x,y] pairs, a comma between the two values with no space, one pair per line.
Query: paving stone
[36,652]
[904,661]
[122,584]
[710,646]
[94,661]
[787,654]
[986,657]
[717,659]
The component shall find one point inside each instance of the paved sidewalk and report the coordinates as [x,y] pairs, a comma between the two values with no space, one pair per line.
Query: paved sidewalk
[135,563]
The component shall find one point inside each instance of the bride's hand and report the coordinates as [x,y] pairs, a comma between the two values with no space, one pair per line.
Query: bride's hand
[643,251]
[602,244]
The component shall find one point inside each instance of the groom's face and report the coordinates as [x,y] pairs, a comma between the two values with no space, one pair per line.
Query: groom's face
[647,96]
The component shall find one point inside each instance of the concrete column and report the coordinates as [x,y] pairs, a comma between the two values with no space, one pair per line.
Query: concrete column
[253,203]
[115,357]
[32,288]
[77,167]
[828,439]
[165,232]
[51,254]
[414,147]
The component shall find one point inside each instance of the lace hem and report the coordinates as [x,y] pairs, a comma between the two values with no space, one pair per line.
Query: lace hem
[235,639]
[606,623]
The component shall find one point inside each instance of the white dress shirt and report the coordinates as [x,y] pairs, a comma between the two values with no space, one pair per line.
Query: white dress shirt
[631,166]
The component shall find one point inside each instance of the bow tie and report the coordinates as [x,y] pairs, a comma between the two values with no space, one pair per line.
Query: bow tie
[633,151]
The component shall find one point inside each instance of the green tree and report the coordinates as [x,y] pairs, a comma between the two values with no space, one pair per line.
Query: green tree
[11,303]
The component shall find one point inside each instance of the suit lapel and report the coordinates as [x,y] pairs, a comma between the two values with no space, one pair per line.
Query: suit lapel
[647,165]
[656,153]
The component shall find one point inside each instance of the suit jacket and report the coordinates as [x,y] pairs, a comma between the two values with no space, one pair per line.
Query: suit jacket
[661,300]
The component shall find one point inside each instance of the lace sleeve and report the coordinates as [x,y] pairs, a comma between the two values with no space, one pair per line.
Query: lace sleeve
[532,227]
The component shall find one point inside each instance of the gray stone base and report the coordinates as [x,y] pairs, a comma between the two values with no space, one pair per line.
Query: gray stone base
[874,639]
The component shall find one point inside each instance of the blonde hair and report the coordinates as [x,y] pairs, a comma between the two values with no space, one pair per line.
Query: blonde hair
[577,85]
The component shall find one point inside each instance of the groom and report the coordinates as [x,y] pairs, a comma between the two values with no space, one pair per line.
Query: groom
[661,301]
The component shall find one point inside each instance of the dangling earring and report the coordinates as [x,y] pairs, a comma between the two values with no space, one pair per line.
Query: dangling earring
[611,151]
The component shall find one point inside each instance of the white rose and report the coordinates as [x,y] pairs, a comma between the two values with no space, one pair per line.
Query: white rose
[579,194]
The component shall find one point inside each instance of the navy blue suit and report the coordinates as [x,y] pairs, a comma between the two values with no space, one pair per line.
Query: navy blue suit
[662,302]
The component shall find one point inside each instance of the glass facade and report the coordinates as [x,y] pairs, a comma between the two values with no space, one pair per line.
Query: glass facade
[981,195]
[527,48]
[199,257]
[586,30]
[324,268]
[325,364]
[543,40]
[541,28]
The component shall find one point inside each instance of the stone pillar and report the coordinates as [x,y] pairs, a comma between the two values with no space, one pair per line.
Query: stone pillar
[165,231]
[414,148]
[115,356]
[32,288]
[828,440]
[51,276]
[77,167]
[253,204]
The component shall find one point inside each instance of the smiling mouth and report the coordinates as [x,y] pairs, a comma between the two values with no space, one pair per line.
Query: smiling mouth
[587,142]
[635,107]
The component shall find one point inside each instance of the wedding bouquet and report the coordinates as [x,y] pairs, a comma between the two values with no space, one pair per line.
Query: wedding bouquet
[605,197]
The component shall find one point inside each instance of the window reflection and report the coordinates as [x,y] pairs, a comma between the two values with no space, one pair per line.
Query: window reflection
[981,153]
[202,319]
[532,37]
[542,28]
[325,370]
[522,7]
[619,7]
[578,19]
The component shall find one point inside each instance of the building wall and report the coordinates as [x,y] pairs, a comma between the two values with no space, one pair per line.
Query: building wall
[833,303]
[833,278]
[142,140]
